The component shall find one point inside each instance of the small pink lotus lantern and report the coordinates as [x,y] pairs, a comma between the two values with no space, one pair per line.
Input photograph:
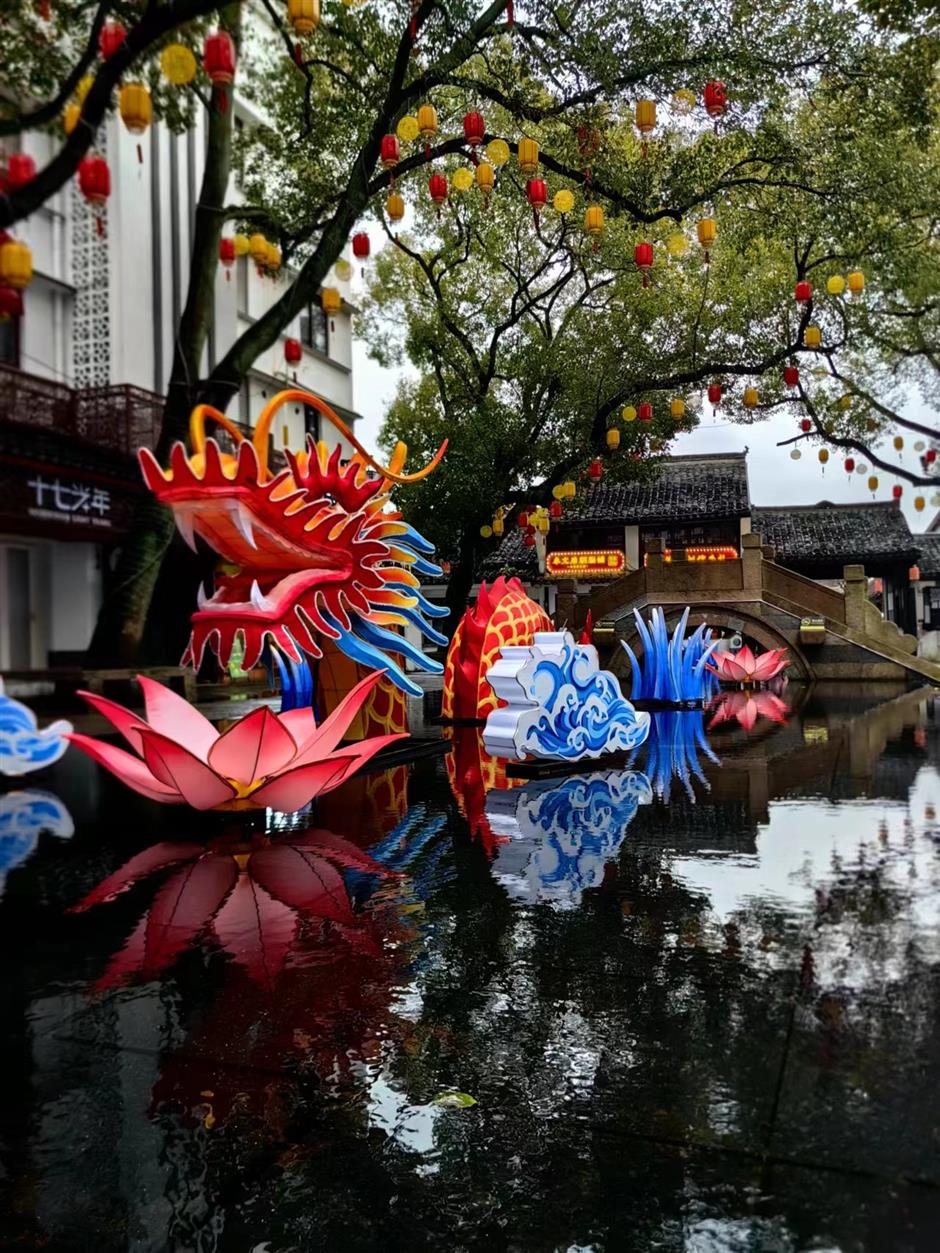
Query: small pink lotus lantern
[263,761]
[746,667]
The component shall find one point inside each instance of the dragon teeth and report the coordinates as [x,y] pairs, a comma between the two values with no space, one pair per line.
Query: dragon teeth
[242,520]
[186,527]
[201,596]
[259,600]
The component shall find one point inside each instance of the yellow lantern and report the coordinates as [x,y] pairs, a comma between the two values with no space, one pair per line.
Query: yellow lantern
[919,503]
[613,438]
[408,129]
[427,122]
[750,398]
[812,337]
[856,281]
[707,233]
[872,483]
[570,490]
[528,156]
[241,244]
[272,260]
[258,248]
[498,526]
[486,531]
[16,265]
[343,270]
[835,285]
[395,207]
[303,15]
[462,179]
[497,151]
[135,107]
[178,64]
[70,117]
[645,116]
[898,443]
[594,220]
[845,402]
[677,245]
[628,414]
[677,408]
[485,179]
[84,87]
[558,491]
[563,201]
[823,456]
[683,101]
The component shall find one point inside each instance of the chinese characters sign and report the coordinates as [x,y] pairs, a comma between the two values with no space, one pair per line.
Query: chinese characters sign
[66,500]
[597,563]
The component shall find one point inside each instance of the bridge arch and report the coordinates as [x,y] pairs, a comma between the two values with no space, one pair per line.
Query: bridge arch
[732,619]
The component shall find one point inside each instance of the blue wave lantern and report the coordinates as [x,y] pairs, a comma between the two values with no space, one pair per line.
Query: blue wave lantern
[23,818]
[673,668]
[560,705]
[557,838]
[23,747]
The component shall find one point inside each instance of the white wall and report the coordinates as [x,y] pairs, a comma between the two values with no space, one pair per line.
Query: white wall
[75,595]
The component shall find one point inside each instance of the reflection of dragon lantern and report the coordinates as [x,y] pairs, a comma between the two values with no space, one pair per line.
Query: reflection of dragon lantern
[321,566]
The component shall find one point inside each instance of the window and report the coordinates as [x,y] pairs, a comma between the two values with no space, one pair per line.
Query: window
[311,421]
[932,608]
[313,329]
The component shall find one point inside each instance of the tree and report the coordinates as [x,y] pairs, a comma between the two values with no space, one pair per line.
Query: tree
[528,342]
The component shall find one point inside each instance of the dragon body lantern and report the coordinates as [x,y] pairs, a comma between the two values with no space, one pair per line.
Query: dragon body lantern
[316,561]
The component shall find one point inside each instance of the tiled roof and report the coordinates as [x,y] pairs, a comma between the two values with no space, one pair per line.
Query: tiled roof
[686,489]
[826,533]
[510,555]
[929,559]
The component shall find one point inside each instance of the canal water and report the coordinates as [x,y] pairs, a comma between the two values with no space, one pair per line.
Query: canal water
[687,1005]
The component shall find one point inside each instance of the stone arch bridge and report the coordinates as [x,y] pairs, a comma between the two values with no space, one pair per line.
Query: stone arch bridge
[836,635]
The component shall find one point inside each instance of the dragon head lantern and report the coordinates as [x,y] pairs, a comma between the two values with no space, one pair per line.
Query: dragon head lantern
[314,553]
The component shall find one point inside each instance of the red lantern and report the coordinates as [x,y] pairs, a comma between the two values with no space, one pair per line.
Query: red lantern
[849,465]
[930,456]
[643,257]
[897,491]
[714,393]
[437,186]
[293,351]
[11,303]
[218,60]
[473,129]
[536,194]
[227,255]
[555,509]
[791,375]
[94,181]
[21,170]
[596,470]
[803,292]
[805,425]
[390,151]
[529,541]
[645,412]
[360,245]
[111,39]
[523,520]
[716,99]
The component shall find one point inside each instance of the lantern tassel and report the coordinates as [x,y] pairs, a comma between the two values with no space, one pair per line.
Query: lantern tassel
[140,155]
[646,280]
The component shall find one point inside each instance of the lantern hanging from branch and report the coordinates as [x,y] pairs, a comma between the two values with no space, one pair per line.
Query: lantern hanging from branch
[873,484]
[803,292]
[537,194]
[643,260]
[178,64]
[21,169]
[919,503]
[707,232]
[85,85]
[716,100]
[258,249]
[645,412]
[812,337]
[645,121]
[594,223]
[930,456]
[437,187]
[714,394]
[795,454]
[111,39]
[835,284]
[474,128]
[849,465]
[856,282]
[70,115]
[897,491]
[218,60]
[136,110]
[94,182]
[389,151]
[683,101]
[677,244]
[528,156]
[677,408]
[555,509]
[823,456]
[227,255]
[485,178]
[272,259]
[497,152]
[805,425]
[361,247]
[898,442]
[613,438]
[408,129]
[241,244]
[462,179]
[16,264]
[303,15]
[331,302]
[596,470]
[293,351]
[498,525]
[750,398]
[427,126]
[791,375]
[563,202]
[628,413]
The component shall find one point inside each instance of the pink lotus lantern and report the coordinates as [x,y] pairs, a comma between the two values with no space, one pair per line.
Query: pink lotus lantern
[747,668]
[263,761]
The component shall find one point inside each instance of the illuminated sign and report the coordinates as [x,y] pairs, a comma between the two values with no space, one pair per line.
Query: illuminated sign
[590,563]
[70,502]
[702,552]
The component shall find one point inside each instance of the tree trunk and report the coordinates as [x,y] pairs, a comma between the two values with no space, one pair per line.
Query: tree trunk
[460,582]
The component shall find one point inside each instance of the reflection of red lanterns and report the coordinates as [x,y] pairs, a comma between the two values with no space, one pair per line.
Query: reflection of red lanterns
[473,129]
[218,60]
[930,456]
[555,509]
[596,470]
[111,39]
[791,375]
[803,292]
[805,425]
[536,194]
[21,169]
[714,393]
[389,151]
[643,259]
[293,351]
[716,99]
[437,186]
[897,491]
[849,465]
[645,412]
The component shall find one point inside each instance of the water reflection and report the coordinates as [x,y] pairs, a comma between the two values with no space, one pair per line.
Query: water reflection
[676,741]
[556,839]
[24,816]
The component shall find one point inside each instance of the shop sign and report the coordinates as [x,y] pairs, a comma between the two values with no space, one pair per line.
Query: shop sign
[598,563]
[69,501]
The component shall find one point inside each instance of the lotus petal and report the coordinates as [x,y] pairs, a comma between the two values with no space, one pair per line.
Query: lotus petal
[175,717]
[256,929]
[130,770]
[196,783]
[125,720]
[299,722]
[302,880]
[152,859]
[297,787]
[334,726]
[128,961]
[255,747]
[184,905]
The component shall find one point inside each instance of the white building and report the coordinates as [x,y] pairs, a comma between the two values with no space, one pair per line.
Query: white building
[83,374]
